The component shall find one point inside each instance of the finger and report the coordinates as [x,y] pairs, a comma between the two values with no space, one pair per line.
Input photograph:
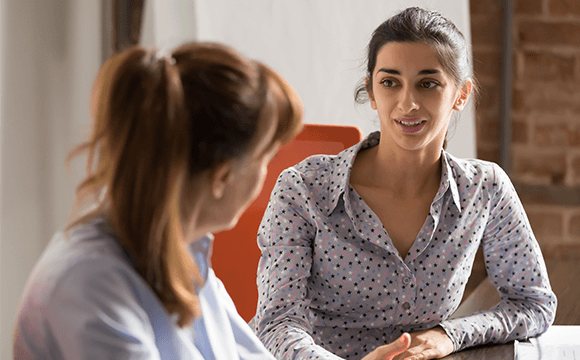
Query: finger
[397,347]
[405,340]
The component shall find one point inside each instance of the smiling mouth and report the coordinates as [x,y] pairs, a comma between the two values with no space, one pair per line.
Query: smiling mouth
[410,122]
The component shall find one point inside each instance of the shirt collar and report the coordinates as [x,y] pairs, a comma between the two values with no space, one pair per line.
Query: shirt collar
[200,250]
[345,160]
[448,180]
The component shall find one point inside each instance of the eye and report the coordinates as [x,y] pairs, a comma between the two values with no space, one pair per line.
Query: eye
[428,84]
[388,83]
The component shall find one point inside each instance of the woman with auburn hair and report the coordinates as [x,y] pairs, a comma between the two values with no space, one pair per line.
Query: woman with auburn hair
[180,147]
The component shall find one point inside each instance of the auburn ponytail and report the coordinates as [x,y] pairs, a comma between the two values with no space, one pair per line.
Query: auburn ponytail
[159,121]
[141,154]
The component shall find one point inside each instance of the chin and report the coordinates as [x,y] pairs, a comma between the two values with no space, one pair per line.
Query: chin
[230,225]
[225,225]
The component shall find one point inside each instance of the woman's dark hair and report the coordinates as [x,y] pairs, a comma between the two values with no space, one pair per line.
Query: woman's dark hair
[416,25]
[160,120]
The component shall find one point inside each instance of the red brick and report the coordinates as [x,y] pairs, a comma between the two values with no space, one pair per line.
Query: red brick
[546,224]
[489,154]
[517,99]
[488,130]
[574,226]
[519,132]
[548,66]
[551,135]
[560,251]
[561,195]
[488,98]
[487,64]
[556,98]
[558,134]
[564,7]
[574,136]
[541,167]
[485,7]
[576,170]
[552,33]
[529,7]
[486,30]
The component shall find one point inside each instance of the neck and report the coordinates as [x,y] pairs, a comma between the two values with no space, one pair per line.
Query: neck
[195,223]
[408,173]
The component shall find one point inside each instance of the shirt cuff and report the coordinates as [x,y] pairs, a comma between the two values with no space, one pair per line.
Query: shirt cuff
[449,333]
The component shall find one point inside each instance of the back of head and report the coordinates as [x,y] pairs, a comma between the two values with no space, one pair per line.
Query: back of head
[161,119]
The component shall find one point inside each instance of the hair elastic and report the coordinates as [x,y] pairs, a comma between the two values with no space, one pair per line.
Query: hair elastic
[165,55]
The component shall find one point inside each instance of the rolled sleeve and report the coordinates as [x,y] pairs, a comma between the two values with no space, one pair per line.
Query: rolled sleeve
[516,268]
[285,238]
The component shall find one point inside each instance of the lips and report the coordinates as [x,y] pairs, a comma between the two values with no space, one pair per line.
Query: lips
[411,125]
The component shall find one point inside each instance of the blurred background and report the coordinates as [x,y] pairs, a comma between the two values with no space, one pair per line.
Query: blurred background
[526,58]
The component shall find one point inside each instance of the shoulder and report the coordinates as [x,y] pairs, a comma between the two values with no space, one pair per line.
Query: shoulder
[79,283]
[476,171]
[321,168]
[314,165]
[85,256]
[315,183]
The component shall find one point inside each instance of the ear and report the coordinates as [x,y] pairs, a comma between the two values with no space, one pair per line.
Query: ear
[369,88]
[463,95]
[221,176]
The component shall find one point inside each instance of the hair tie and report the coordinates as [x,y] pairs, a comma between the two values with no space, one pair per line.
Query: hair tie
[165,55]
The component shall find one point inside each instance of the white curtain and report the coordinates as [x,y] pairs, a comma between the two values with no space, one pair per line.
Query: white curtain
[50,51]
[318,45]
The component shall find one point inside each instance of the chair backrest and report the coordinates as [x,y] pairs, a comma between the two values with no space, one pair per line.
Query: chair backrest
[236,254]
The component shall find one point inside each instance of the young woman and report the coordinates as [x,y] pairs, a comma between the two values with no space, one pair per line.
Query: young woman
[180,146]
[379,240]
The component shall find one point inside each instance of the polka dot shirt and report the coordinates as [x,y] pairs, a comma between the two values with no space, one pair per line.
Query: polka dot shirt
[332,285]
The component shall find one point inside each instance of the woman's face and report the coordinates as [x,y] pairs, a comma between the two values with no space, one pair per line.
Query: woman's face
[244,179]
[413,96]
[249,174]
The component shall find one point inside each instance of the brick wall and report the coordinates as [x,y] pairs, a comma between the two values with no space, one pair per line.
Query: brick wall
[545,112]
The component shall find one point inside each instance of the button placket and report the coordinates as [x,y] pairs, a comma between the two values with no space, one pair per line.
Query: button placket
[409,290]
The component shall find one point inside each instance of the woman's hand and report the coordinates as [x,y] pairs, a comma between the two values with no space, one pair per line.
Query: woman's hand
[428,344]
[389,351]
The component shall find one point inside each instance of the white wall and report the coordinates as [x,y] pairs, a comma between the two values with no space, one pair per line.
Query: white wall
[318,45]
[50,52]
[2,21]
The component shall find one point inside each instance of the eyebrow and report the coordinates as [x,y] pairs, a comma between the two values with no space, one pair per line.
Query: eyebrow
[397,72]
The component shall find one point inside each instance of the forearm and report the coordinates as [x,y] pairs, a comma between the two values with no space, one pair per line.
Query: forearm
[516,268]
[287,341]
[507,321]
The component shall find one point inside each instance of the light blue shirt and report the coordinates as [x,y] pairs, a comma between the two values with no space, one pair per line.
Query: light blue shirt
[332,285]
[84,300]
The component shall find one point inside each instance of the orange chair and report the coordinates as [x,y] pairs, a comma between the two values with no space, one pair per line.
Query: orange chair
[235,252]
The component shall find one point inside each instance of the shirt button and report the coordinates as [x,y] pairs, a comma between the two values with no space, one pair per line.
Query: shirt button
[406,280]
[406,306]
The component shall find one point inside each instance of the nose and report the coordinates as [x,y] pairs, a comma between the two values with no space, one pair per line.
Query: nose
[408,101]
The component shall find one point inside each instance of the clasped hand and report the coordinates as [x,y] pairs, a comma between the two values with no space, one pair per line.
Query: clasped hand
[419,345]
